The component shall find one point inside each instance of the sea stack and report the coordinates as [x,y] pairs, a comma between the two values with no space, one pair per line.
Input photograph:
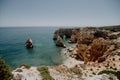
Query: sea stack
[29,43]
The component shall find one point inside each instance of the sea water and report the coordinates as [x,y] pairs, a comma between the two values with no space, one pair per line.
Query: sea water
[14,52]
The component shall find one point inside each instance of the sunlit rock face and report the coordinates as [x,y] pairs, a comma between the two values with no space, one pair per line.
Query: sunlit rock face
[97,49]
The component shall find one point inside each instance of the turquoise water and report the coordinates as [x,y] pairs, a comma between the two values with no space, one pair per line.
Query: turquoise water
[14,52]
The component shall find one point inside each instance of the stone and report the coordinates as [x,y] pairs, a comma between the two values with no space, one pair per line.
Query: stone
[101,33]
[29,43]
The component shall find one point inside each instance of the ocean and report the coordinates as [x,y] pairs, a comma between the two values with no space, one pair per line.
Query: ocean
[14,52]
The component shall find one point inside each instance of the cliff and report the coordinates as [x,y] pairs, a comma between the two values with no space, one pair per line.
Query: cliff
[95,55]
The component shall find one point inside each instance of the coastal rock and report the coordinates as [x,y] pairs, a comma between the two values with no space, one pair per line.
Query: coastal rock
[114,35]
[85,37]
[116,42]
[55,35]
[92,69]
[75,35]
[62,32]
[23,73]
[96,49]
[101,33]
[73,39]
[60,43]
[29,43]
[80,51]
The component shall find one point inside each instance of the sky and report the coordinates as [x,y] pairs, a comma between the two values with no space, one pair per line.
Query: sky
[59,12]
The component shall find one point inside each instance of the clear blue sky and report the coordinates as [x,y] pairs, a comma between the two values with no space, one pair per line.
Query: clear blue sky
[59,12]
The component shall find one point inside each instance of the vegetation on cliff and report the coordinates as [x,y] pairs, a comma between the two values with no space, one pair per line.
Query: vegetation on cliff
[116,73]
[25,65]
[44,73]
[5,71]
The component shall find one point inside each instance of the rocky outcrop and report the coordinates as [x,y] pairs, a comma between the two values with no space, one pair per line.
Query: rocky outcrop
[62,32]
[96,50]
[101,33]
[114,35]
[29,43]
[91,70]
[75,35]
[85,37]
[23,73]
[59,42]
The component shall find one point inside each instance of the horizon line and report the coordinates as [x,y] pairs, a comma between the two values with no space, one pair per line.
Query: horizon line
[62,26]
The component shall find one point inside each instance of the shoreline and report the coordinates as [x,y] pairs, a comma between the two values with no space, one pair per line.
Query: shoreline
[69,61]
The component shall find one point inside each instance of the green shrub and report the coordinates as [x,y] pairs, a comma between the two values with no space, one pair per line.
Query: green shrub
[44,73]
[5,71]
[19,70]
[25,65]
[117,74]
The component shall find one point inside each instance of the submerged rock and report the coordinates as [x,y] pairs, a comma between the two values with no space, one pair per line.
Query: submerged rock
[29,43]
[60,43]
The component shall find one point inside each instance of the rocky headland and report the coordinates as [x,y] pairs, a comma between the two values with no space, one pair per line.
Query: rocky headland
[95,55]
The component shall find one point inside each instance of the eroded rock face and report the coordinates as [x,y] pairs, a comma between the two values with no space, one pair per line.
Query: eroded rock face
[75,35]
[94,51]
[86,37]
[29,43]
[60,43]
[62,32]
[97,49]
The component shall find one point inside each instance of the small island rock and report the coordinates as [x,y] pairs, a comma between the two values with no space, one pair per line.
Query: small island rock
[29,43]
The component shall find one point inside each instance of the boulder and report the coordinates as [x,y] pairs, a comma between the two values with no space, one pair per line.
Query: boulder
[59,42]
[29,43]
